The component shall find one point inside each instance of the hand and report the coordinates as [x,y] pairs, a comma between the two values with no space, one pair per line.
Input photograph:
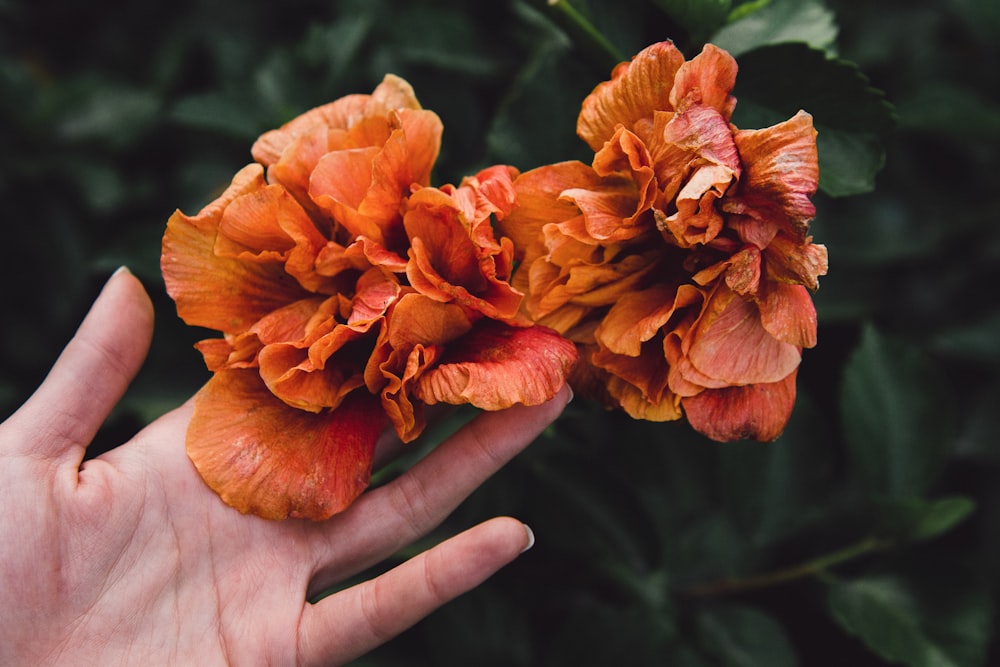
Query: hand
[130,558]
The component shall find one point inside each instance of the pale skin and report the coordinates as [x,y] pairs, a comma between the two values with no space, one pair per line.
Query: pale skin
[130,559]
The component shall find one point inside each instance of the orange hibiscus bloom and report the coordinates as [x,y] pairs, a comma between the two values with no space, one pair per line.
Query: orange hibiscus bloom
[350,294]
[679,260]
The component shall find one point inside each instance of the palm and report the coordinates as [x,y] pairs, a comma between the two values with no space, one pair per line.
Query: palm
[130,558]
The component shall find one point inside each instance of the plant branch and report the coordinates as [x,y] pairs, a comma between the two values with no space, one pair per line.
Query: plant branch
[595,40]
[815,567]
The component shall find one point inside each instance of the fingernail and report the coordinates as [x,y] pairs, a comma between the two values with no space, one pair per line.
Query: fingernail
[531,537]
[570,399]
[121,269]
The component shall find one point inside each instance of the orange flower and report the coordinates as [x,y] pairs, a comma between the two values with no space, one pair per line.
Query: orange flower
[679,260]
[350,294]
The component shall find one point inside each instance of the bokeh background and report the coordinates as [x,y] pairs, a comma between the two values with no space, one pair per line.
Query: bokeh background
[868,534]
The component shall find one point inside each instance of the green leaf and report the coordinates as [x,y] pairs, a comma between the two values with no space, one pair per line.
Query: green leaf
[881,612]
[852,118]
[808,21]
[918,520]
[746,8]
[742,636]
[896,408]
[928,619]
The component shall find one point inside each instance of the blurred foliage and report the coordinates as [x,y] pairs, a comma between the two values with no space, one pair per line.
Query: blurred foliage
[868,534]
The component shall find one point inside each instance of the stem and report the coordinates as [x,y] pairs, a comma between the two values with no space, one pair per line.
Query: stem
[593,36]
[814,567]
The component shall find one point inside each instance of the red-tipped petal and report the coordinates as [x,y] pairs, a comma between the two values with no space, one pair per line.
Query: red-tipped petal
[496,366]
[757,411]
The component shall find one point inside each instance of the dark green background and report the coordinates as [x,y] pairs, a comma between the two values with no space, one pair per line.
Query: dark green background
[886,485]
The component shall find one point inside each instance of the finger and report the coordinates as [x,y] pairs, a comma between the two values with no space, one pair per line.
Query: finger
[354,621]
[389,517]
[90,375]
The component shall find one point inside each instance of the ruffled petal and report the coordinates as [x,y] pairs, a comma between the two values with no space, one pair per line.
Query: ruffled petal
[496,366]
[339,184]
[539,203]
[419,320]
[231,351]
[707,79]
[344,113]
[646,372]
[591,284]
[758,411]
[609,212]
[703,133]
[640,406]
[796,263]
[697,222]
[223,293]
[265,458]
[297,377]
[625,155]
[730,346]
[635,90]
[781,173]
[364,188]
[787,313]
[638,316]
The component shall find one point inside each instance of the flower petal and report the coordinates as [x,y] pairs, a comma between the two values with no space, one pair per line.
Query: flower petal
[707,79]
[635,90]
[295,375]
[730,345]
[227,294]
[265,458]
[704,133]
[758,411]
[364,188]
[781,173]
[788,314]
[639,406]
[447,265]
[646,374]
[638,316]
[796,263]
[496,366]
[609,212]
[539,203]
[392,93]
